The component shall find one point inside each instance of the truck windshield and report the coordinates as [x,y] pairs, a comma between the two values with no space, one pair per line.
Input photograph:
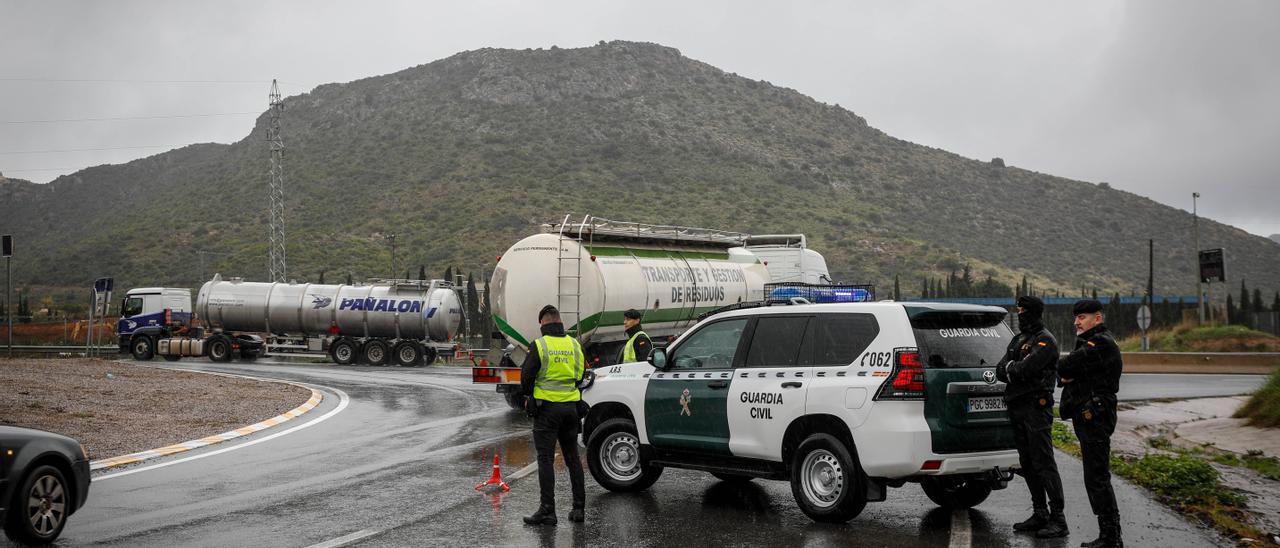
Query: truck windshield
[132,307]
[950,338]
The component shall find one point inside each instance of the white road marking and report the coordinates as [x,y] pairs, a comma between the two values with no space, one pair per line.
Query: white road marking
[344,400]
[961,535]
[346,540]
[529,469]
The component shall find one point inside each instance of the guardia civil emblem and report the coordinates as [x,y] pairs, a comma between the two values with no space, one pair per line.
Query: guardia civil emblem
[685,398]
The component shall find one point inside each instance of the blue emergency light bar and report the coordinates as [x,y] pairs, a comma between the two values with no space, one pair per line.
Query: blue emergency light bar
[818,293]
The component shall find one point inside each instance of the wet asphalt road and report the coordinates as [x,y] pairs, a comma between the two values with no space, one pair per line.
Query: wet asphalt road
[397,466]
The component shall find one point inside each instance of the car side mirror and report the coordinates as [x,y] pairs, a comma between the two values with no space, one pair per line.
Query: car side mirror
[658,358]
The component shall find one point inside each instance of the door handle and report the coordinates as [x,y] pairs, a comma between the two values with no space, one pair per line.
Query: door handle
[792,384]
[717,385]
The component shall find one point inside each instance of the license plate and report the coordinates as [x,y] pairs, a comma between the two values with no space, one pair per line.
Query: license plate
[982,405]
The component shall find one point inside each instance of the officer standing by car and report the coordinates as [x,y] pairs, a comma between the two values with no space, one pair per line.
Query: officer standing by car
[1030,369]
[1090,380]
[638,343]
[552,372]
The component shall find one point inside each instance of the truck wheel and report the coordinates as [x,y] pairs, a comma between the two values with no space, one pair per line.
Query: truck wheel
[141,348]
[613,455]
[955,492]
[429,356]
[220,349]
[171,358]
[826,480]
[248,355]
[343,351]
[375,352]
[40,507]
[407,354]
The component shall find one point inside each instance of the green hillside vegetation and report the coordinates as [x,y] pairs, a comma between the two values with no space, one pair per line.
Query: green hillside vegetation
[463,156]
[1209,338]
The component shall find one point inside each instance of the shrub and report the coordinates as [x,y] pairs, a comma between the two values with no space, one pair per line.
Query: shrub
[1181,480]
[1263,407]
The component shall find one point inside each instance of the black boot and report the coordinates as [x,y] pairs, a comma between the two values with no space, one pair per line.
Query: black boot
[544,516]
[578,514]
[1038,519]
[1057,526]
[1108,534]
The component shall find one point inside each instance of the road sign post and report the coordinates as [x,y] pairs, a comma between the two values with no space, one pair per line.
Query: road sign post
[1144,322]
[6,249]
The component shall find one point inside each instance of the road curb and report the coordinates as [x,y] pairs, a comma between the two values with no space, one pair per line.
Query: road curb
[122,460]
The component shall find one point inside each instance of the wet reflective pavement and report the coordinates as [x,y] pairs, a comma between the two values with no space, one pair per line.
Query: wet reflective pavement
[397,467]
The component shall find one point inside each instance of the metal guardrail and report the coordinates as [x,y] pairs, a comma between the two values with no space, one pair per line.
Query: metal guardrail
[69,349]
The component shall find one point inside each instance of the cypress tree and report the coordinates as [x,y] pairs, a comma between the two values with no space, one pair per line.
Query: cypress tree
[924,288]
[349,278]
[1231,311]
[1275,302]
[1243,310]
[897,291]
[448,274]
[473,302]
[422,272]
[1257,301]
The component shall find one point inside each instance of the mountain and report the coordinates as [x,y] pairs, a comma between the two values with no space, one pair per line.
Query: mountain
[463,156]
[1275,238]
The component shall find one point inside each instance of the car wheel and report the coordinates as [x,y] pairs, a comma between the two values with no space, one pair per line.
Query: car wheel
[955,492]
[40,507]
[343,351]
[375,352]
[407,353]
[613,455]
[141,348]
[826,480]
[220,349]
[732,478]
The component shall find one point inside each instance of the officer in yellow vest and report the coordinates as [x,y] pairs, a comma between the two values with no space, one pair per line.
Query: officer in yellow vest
[551,372]
[638,343]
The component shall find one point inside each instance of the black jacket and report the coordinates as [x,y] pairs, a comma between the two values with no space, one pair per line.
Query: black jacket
[642,344]
[532,363]
[1030,364]
[1091,370]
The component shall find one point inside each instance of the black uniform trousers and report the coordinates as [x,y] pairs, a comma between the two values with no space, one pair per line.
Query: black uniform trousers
[1032,424]
[1094,433]
[558,421]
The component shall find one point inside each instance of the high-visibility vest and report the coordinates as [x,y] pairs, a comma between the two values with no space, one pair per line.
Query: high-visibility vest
[562,366]
[629,351]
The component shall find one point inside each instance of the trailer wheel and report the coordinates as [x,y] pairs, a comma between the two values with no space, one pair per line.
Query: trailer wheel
[171,358]
[220,349]
[429,356]
[343,351]
[375,352]
[141,348]
[407,353]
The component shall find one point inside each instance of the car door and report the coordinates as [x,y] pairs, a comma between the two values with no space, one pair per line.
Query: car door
[685,402]
[769,387]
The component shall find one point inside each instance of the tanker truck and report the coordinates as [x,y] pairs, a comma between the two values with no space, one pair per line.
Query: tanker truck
[406,322]
[596,269]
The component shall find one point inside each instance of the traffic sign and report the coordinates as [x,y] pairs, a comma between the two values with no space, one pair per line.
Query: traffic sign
[1144,317]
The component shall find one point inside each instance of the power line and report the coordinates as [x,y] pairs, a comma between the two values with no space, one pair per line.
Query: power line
[86,149]
[134,81]
[159,117]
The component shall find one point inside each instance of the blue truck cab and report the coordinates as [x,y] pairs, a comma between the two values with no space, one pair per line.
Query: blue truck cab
[147,314]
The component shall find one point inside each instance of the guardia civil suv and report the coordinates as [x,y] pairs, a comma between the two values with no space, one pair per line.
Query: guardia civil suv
[842,400]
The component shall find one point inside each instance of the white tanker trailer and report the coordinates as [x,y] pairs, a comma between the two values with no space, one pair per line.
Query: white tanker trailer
[387,321]
[595,270]
[402,321]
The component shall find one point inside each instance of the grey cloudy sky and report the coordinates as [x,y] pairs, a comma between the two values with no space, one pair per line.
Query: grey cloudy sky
[1161,98]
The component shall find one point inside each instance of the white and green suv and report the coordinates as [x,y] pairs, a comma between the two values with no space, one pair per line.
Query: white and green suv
[843,400]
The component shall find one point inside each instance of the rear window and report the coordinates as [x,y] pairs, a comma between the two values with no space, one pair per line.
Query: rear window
[950,338]
[776,342]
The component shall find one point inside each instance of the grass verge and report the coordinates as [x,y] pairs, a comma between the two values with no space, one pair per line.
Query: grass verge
[1185,482]
[1208,338]
[1263,408]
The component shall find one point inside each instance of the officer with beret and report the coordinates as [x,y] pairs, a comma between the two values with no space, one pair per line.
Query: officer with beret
[638,344]
[1030,370]
[1090,377]
[552,372]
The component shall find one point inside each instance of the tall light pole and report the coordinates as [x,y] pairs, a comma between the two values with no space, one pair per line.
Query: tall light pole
[1195,228]
[391,240]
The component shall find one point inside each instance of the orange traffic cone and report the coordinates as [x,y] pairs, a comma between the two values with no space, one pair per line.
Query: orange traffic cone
[496,478]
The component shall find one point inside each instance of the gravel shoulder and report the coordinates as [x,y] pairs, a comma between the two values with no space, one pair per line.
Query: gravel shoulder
[117,408]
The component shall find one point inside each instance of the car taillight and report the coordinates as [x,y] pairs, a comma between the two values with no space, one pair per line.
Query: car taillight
[907,380]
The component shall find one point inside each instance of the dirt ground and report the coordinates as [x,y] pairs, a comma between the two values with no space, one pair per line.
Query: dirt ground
[120,408]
